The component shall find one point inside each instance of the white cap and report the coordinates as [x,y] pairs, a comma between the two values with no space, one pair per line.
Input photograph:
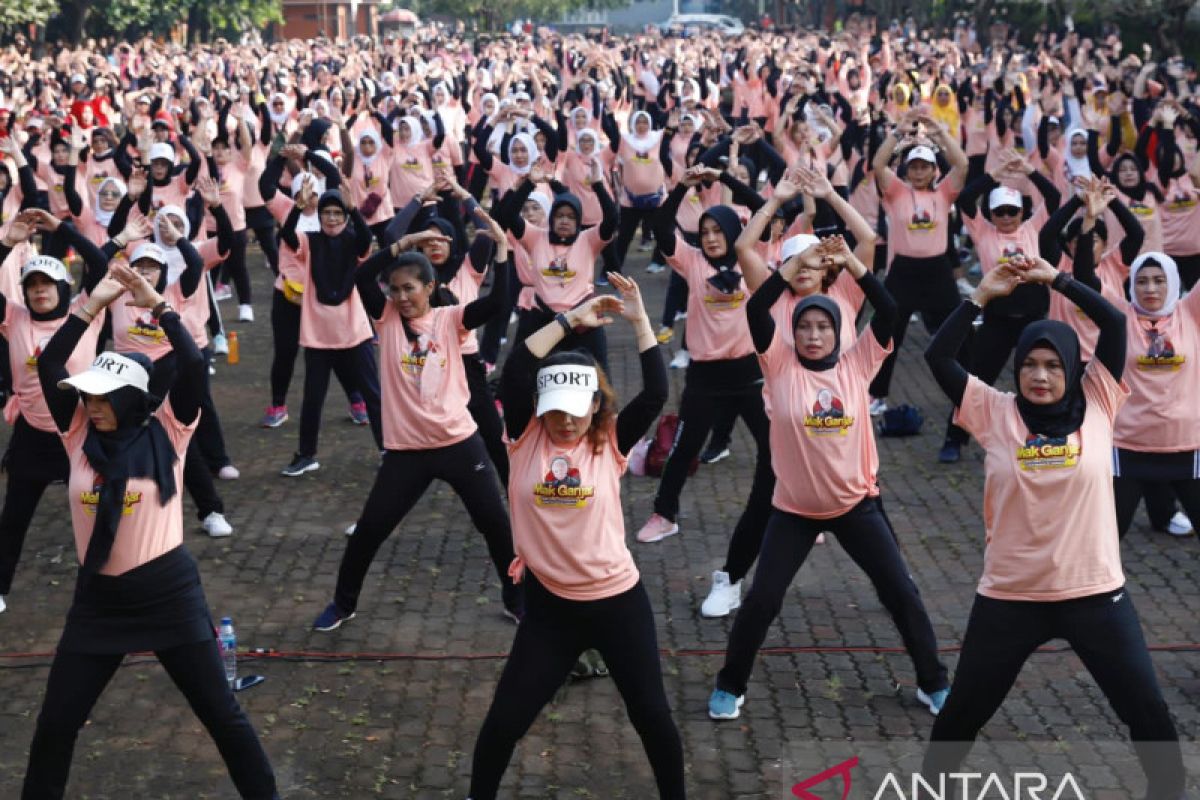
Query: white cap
[1004,196]
[109,372]
[78,78]
[1052,120]
[797,245]
[921,153]
[162,150]
[148,250]
[49,266]
[34,122]
[566,387]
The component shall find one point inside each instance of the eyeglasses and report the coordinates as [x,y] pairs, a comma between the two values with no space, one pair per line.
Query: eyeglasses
[333,213]
[110,193]
[1006,211]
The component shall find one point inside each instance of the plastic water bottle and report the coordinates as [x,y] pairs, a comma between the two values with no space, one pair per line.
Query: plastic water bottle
[234,348]
[228,642]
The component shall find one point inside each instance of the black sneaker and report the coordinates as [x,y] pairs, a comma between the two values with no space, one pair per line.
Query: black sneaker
[714,453]
[950,453]
[300,465]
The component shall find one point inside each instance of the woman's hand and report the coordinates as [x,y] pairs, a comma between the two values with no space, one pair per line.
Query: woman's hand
[144,295]
[999,282]
[209,191]
[493,231]
[101,297]
[631,296]
[785,191]
[137,183]
[594,312]
[412,240]
[1034,269]
[814,183]
[42,220]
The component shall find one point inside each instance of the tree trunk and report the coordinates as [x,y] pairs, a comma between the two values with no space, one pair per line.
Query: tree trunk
[74,15]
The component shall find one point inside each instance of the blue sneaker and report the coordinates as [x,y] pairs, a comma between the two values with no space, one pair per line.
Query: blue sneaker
[723,705]
[935,700]
[950,453]
[331,618]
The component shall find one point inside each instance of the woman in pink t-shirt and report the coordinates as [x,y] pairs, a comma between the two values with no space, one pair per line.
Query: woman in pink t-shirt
[428,432]
[582,587]
[1180,185]
[1143,198]
[823,454]
[1052,562]
[35,457]
[641,154]
[1157,435]
[138,588]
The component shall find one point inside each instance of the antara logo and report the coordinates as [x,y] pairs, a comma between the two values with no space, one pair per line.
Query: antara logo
[950,786]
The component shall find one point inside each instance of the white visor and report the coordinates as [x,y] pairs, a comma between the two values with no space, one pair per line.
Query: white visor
[148,250]
[109,372]
[921,153]
[49,266]
[162,150]
[797,245]
[566,387]
[1004,196]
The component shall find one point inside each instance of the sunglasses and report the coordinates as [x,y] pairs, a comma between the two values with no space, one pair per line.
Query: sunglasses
[109,193]
[1006,211]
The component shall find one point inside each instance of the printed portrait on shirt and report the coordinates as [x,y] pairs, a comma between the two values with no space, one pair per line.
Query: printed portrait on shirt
[1181,200]
[145,329]
[32,362]
[921,220]
[559,268]
[562,486]
[1010,251]
[828,415]
[1140,209]
[419,351]
[1160,355]
[1049,452]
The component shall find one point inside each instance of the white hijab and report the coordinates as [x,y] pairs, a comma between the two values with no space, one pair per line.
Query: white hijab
[1076,166]
[643,144]
[414,129]
[280,118]
[175,262]
[1168,266]
[530,145]
[105,217]
[369,133]
[587,133]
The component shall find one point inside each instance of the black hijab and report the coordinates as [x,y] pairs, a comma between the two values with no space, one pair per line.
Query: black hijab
[1137,192]
[830,307]
[727,278]
[333,259]
[59,311]
[560,200]
[1065,416]
[138,448]
[447,270]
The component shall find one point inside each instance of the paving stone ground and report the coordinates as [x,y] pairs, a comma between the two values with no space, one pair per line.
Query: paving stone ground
[389,705]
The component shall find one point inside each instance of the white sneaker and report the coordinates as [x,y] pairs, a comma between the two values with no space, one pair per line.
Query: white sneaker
[680,315]
[654,267]
[220,345]
[216,526]
[1180,525]
[722,598]
[3,605]
[878,406]
[350,530]
[222,292]
[245,313]
[681,360]
[229,473]
[820,538]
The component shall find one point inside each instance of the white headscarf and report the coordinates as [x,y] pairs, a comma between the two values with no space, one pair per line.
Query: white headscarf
[369,133]
[530,145]
[105,217]
[542,200]
[280,118]
[643,144]
[485,99]
[587,133]
[414,129]
[175,262]
[1076,166]
[1152,259]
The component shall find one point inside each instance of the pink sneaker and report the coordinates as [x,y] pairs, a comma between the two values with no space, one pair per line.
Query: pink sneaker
[656,529]
[358,413]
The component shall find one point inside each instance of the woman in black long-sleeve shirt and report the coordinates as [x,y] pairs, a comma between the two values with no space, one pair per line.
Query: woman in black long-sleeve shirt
[1052,565]
[582,588]
[823,454]
[138,588]
[428,432]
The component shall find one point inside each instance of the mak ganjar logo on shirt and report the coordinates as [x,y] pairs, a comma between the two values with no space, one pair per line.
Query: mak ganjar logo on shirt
[1011,251]
[562,486]
[413,362]
[1140,209]
[1181,201]
[921,220]
[718,301]
[1160,355]
[558,268]
[828,416]
[1049,452]
[146,331]
[91,499]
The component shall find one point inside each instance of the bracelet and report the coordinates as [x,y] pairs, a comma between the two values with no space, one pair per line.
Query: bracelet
[561,319]
[83,310]
[160,309]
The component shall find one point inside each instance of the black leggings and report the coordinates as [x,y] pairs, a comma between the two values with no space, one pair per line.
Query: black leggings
[76,682]
[285,330]
[20,502]
[233,269]
[676,299]
[1104,632]
[866,535]
[198,480]
[631,218]
[262,223]
[209,435]
[551,636]
[400,482]
[1129,491]
[354,367]
[483,410]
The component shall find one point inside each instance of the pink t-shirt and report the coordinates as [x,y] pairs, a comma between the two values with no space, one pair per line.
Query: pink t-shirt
[1181,217]
[55,192]
[373,179]
[641,170]
[1064,310]
[291,267]
[1047,503]
[174,193]
[423,382]
[233,192]
[409,172]
[325,327]
[996,248]
[1148,214]
[1163,375]
[560,274]
[822,442]
[465,284]
[919,220]
[135,330]
[27,338]
[568,525]
[147,529]
[717,326]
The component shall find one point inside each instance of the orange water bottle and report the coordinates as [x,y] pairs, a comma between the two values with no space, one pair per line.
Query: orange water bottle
[234,355]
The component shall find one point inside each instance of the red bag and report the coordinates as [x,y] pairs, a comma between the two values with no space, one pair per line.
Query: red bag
[661,444]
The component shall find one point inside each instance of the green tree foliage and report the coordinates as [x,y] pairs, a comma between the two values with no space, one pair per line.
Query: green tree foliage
[77,18]
[16,13]
[492,14]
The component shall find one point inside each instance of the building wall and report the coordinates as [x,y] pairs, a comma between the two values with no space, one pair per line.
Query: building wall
[303,20]
[636,15]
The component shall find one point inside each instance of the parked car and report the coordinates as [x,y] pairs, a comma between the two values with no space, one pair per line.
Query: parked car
[730,26]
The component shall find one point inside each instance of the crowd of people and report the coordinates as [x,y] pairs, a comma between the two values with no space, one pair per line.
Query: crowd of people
[436,210]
